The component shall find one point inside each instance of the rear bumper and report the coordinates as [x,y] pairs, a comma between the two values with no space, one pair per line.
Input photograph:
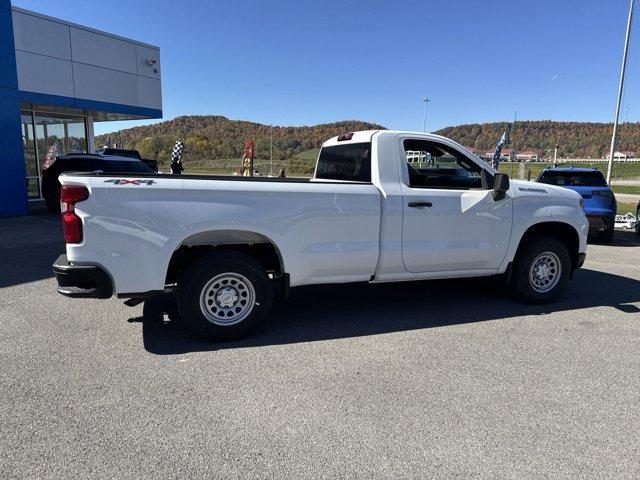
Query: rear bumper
[81,281]
[600,222]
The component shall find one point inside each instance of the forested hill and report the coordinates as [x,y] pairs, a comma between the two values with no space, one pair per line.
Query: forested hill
[212,137]
[217,137]
[575,139]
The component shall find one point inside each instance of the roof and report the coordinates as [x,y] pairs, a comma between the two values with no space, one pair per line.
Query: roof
[571,169]
[366,135]
[114,158]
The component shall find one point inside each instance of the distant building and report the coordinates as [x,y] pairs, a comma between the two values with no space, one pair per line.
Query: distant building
[624,155]
[527,156]
[506,155]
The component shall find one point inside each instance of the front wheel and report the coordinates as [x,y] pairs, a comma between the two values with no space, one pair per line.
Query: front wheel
[224,296]
[541,270]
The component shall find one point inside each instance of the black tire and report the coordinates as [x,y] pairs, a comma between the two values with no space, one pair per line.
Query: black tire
[606,236]
[197,283]
[521,283]
[638,222]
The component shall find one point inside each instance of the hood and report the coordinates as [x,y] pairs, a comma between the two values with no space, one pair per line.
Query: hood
[524,187]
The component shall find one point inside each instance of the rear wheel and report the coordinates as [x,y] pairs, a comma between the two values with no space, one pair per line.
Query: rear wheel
[224,296]
[541,270]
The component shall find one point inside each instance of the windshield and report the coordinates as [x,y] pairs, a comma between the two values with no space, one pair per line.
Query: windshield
[122,166]
[573,179]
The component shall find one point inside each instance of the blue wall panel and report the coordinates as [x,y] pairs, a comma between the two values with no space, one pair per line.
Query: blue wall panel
[13,191]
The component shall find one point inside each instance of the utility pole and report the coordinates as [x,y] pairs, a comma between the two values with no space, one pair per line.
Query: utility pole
[514,149]
[620,89]
[271,150]
[424,120]
[555,155]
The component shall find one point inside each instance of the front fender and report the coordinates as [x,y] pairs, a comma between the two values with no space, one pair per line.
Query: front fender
[529,212]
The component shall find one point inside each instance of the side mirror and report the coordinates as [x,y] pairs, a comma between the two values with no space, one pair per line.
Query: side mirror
[500,185]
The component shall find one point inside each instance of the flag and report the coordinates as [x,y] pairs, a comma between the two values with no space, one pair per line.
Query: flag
[176,157]
[495,161]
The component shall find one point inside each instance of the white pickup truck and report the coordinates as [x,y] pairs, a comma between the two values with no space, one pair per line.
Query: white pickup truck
[382,206]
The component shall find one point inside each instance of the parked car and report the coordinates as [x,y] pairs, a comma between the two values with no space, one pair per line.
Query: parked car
[626,221]
[637,227]
[221,244]
[122,152]
[84,162]
[599,201]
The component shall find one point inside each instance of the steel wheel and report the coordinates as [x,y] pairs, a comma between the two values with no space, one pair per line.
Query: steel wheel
[227,299]
[545,272]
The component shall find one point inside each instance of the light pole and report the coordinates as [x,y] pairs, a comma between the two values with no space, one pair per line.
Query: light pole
[271,150]
[620,88]
[424,120]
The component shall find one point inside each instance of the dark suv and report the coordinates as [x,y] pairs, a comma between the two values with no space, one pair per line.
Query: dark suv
[84,162]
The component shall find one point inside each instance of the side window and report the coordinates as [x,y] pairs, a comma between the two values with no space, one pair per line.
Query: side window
[351,162]
[436,165]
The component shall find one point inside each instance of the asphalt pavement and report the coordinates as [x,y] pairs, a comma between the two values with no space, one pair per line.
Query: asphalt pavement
[416,380]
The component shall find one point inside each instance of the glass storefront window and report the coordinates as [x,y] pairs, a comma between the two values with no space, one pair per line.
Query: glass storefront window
[30,159]
[57,135]
[45,139]
[33,188]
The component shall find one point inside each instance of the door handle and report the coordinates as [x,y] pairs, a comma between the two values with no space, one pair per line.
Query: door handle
[420,204]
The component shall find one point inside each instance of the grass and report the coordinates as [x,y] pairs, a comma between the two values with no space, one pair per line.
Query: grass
[626,208]
[633,189]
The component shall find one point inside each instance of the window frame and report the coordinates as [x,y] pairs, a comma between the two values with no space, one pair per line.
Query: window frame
[486,179]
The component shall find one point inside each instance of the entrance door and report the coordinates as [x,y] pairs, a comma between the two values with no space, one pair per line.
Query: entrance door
[43,138]
[451,221]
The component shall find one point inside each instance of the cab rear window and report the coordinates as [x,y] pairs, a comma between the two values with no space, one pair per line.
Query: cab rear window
[350,162]
[573,179]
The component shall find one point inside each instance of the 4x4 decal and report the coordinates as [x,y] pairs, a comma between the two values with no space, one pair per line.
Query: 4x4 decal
[124,181]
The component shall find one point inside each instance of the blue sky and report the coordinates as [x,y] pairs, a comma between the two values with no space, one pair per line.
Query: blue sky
[307,62]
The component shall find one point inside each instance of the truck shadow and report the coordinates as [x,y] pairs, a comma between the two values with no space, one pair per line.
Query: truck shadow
[328,312]
[622,238]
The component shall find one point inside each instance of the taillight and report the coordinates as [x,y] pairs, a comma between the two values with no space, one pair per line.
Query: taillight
[71,223]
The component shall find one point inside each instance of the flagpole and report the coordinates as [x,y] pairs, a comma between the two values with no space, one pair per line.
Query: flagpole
[620,89]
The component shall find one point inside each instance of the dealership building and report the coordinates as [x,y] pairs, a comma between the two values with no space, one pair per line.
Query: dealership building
[57,79]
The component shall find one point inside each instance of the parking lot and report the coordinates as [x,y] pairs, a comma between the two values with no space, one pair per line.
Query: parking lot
[424,380]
